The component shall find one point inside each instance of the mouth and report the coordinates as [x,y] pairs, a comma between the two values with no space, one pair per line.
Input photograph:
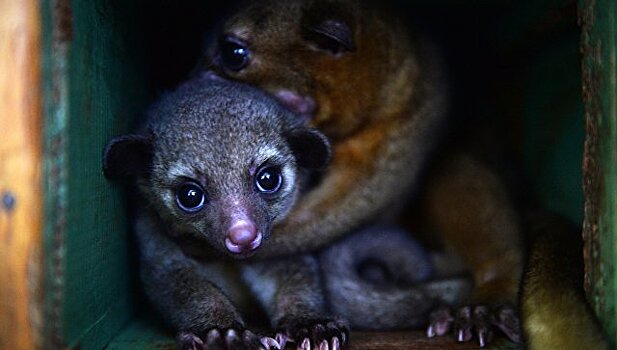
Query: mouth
[304,106]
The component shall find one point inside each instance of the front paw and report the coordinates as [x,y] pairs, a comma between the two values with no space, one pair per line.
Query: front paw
[479,320]
[221,339]
[321,334]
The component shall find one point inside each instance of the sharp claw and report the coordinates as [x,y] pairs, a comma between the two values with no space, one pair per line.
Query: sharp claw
[335,344]
[430,331]
[464,335]
[343,338]
[270,343]
[213,335]
[324,345]
[187,340]
[231,334]
[282,340]
[305,345]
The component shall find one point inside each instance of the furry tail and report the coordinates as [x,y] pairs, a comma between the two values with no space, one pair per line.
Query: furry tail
[554,310]
[380,278]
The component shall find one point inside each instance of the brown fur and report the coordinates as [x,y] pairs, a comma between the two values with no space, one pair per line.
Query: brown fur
[553,301]
[380,105]
[469,206]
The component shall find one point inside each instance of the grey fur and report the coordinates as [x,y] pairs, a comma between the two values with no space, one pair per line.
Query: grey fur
[408,283]
[216,133]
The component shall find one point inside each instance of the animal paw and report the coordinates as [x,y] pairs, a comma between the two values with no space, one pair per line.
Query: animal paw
[319,334]
[479,321]
[223,339]
[189,341]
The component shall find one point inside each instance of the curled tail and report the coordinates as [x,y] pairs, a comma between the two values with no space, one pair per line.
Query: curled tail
[380,278]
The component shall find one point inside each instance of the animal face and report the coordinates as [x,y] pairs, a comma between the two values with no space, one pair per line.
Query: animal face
[218,161]
[309,54]
[227,191]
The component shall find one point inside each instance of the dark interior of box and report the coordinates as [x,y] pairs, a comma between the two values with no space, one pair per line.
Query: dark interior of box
[515,83]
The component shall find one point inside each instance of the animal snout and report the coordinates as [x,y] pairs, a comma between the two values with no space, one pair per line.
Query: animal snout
[242,237]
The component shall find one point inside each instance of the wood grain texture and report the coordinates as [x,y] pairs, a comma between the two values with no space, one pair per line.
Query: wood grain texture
[20,175]
[93,88]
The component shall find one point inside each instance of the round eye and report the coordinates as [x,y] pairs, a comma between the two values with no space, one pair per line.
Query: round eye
[234,54]
[268,180]
[190,197]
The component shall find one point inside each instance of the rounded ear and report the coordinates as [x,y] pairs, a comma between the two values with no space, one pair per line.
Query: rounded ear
[331,35]
[329,27]
[310,147]
[128,155]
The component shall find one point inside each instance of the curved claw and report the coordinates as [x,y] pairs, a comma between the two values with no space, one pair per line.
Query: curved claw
[282,339]
[440,322]
[305,345]
[189,341]
[315,334]
[270,343]
[336,344]
[230,338]
[475,321]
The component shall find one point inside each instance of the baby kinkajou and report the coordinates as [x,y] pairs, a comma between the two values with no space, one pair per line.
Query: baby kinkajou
[377,91]
[217,164]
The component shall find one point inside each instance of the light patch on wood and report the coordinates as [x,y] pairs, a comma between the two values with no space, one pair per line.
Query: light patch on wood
[20,175]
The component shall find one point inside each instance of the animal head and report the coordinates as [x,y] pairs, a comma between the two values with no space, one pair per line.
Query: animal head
[323,59]
[219,161]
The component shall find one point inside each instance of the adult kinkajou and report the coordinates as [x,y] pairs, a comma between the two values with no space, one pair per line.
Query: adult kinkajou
[377,90]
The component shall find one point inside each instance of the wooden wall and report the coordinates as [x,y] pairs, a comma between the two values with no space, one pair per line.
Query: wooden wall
[20,175]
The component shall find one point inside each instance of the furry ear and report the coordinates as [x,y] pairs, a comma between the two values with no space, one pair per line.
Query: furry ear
[128,155]
[311,148]
[329,27]
[331,35]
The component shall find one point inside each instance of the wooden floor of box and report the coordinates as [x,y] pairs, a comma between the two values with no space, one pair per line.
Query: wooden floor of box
[143,334]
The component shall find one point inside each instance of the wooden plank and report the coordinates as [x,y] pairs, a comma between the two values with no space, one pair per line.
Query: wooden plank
[20,176]
[94,87]
[598,45]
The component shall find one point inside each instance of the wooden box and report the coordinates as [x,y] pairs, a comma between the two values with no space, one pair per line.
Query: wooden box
[73,74]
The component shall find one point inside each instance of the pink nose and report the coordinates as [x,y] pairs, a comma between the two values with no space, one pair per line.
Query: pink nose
[242,237]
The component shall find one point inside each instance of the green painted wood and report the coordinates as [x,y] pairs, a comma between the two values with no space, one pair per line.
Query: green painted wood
[55,119]
[95,87]
[598,45]
[144,332]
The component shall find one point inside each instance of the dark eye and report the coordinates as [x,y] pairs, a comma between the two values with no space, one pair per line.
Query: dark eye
[190,197]
[234,54]
[268,180]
